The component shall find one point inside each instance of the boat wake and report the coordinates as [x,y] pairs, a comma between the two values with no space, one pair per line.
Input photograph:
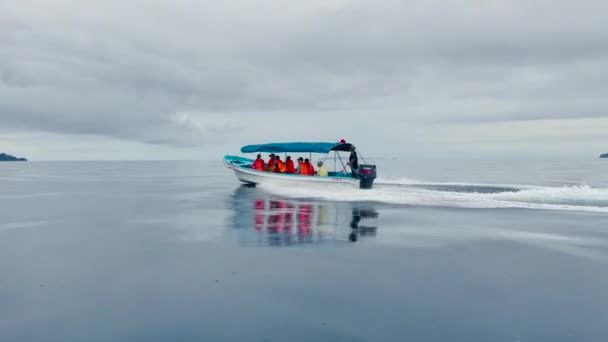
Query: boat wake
[461,195]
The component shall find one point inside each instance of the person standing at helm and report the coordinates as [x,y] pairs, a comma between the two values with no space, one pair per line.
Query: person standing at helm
[258,164]
[289,165]
[271,163]
[353,161]
[279,166]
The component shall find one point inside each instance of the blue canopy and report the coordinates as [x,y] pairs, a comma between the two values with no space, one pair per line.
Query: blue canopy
[296,147]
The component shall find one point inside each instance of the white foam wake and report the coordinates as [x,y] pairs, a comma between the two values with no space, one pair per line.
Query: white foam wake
[416,182]
[463,195]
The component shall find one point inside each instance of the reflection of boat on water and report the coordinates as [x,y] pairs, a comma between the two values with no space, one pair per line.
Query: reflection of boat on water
[262,219]
[362,229]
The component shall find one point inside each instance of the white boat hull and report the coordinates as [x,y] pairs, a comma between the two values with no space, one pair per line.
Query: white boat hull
[251,176]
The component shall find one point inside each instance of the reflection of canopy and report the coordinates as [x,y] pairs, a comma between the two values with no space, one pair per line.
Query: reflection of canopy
[297,147]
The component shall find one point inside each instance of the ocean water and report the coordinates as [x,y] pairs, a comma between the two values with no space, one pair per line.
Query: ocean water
[439,250]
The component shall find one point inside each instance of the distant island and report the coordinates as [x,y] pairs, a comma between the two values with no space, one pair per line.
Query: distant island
[8,157]
[605,155]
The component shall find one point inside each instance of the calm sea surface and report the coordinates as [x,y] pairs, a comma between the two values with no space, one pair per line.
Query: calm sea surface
[477,250]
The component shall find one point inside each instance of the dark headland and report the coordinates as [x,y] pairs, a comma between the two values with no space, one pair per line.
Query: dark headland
[605,155]
[8,157]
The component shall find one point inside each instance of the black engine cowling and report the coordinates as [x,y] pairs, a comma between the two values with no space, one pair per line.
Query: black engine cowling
[366,173]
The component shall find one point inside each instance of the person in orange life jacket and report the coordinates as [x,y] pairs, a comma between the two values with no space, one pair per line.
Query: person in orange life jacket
[311,168]
[279,166]
[289,165]
[270,167]
[304,168]
[258,164]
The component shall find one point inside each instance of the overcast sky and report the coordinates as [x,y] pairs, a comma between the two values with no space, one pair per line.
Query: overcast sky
[194,79]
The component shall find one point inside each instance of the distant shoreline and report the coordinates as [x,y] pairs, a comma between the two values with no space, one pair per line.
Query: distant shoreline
[8,157]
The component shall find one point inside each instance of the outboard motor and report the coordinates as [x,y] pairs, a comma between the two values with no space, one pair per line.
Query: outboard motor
[366,174]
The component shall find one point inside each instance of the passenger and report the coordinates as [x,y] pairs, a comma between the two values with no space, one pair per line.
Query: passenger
[279,165]
[258,164]
[311,169]
[305,168]
[289,165]
[353,161]
[321,170]
[270,167]
[299,169]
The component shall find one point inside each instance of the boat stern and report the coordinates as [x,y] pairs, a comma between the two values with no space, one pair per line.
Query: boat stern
[366,175]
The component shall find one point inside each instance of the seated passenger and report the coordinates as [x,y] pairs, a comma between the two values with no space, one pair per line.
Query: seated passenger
[299,169]
[305,168]
[258,164]
[279,165]
[270,167]
[310,170]
[289,165]
[321,170]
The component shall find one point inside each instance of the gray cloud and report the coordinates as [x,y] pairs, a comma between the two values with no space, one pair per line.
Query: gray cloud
[190,72]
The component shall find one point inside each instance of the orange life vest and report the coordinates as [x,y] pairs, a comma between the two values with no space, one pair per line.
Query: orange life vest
[304,169]
[280,167]
[258,164]
[271,165]
[290,167]
[311,169]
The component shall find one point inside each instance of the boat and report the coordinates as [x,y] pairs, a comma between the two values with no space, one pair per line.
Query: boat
[362,178]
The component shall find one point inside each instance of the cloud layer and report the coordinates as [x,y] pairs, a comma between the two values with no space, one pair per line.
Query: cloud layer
[191,73]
